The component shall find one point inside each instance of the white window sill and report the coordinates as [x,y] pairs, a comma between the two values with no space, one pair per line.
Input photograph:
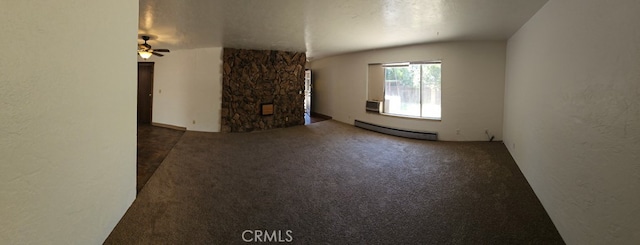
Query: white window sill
[412,117]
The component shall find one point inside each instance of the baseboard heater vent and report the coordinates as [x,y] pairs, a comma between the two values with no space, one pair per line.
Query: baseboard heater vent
[397,132]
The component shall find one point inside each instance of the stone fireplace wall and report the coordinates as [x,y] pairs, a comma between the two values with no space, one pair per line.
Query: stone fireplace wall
[255,77]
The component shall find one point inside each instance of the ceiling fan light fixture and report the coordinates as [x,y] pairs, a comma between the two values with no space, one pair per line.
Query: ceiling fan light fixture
[144,54]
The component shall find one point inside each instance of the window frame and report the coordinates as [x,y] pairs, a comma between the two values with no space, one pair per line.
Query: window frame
[406,64]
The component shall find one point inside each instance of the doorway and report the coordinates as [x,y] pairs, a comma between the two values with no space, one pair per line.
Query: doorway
[307,92]
[309,116]
[145,92]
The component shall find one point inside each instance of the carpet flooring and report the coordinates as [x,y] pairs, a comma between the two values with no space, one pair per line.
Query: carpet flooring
[154,144]
[332,183]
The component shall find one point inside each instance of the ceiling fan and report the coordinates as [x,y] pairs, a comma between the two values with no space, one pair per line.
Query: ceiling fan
[145,51]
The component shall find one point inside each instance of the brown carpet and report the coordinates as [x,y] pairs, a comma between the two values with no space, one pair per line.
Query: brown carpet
[154,144]
[330,182]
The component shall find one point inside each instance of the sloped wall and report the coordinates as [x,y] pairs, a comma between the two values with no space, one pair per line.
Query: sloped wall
[255,77]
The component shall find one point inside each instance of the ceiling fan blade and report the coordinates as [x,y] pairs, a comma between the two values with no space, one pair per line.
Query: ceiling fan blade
[161,50]
[146,45]
[158,54]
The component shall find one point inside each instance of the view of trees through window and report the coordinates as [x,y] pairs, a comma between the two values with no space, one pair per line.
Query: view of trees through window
[413,90]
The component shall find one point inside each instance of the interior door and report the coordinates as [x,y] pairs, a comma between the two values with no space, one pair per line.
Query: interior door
[145,92]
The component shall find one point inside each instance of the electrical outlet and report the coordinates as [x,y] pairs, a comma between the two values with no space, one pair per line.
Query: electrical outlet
[457,131]
[194,122]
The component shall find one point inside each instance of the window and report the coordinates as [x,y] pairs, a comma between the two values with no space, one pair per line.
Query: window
[412,89]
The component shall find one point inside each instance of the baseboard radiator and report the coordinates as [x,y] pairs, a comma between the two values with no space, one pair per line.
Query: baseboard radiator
[397,132]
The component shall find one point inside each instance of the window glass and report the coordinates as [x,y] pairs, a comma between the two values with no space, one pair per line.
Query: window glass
[413,90]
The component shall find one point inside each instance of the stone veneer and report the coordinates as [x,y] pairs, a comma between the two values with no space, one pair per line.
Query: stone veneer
[253,77]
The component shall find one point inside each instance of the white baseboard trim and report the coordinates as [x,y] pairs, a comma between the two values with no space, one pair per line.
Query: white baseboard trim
[162,125]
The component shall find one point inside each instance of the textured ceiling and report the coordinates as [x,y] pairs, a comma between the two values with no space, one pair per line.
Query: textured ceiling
[327,27]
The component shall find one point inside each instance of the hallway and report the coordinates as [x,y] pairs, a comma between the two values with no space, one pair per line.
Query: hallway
[154,144]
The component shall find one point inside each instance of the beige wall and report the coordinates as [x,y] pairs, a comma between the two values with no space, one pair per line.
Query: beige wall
[572,116]
[188,87]
[375,82]
[67,119]
[472,87]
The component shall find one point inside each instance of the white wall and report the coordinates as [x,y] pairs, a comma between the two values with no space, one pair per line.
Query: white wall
[67,119]
[472,87]
[572,116]
[187,87]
